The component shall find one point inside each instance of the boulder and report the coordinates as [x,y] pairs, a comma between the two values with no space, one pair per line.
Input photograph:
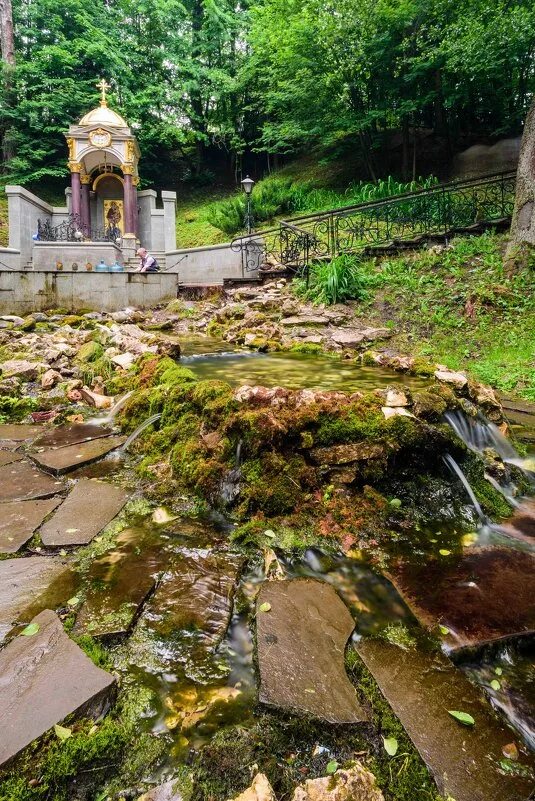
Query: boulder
[354,784]
[49,379]
[124,360]
[260,790]
[89,352]
[96,399]
[301,319]
[348,337]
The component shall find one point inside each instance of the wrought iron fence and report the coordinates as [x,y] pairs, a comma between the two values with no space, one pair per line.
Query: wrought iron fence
[414,217]
[73,230]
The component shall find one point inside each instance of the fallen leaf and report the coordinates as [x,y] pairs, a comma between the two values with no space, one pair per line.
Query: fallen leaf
[444,552]
[498,671]
[71,530]
[510,751]
[444,630]
[462,717]
[265,607]
[30,630]
[62,732]
[73,601]
[269,533]
[495,684]
[468,539]
[395,503]
[391,745]
[332,767]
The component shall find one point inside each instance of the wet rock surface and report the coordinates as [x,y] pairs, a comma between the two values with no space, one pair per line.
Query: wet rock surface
[63,460]
[18,432]
[486,594]
[120,583]
[23,480]
[44,678]
[29,585]
[71,435]
[89,507]
[9,456]
[464,760]
[260,790]
[164,792]
[19,520]
[301,641]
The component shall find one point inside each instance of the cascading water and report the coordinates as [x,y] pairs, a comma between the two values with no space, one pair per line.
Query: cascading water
[478,433]
[454,467]
[115,409]
[135,434]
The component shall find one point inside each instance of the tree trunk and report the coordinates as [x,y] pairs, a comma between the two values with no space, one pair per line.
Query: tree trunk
[405,142]
[7,50]
[523,223]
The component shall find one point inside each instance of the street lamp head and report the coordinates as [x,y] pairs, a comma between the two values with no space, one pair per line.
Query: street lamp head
[247,184]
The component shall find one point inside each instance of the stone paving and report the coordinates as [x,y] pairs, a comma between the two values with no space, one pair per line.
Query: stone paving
[63,460]
[20,519]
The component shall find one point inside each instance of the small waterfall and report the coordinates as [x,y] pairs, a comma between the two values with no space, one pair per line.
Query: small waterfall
[135,434]
[454,467]
[478,433]
[239,447]
[115,409]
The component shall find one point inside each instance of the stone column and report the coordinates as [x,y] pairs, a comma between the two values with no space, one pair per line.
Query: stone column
[128,201]
[75,169]
[135,214]
[85,205]
[169,220]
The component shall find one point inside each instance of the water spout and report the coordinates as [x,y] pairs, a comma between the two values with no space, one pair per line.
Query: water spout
[115,409]
[454,467]
[135,434]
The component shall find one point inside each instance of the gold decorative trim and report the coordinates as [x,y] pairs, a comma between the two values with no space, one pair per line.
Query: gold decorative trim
[135,180]
[85,179]
[128,169]
[75,166]
[106,175]
[100,138]
[71,145]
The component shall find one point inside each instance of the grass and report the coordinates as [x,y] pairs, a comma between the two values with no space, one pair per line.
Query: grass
[4,233]
[192,226]
[460,307]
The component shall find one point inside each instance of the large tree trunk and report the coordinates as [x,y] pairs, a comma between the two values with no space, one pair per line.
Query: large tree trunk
[7,51]
[523,223]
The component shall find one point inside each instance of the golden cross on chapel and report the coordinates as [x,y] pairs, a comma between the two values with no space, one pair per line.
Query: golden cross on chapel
[103,86]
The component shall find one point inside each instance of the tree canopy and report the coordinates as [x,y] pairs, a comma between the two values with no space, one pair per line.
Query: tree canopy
[206,82]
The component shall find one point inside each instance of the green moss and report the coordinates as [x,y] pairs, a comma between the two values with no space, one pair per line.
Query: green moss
[429,405]
[16,408]
[169,372]
[74,320]
[89,352]
[28,324]
[306,347]
[94,651]
[353,423]
[422,367]
[273,483]
[214,329]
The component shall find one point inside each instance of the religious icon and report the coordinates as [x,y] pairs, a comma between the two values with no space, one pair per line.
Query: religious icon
[113,212]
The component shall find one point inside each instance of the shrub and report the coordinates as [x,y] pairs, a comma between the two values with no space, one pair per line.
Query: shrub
[334,282]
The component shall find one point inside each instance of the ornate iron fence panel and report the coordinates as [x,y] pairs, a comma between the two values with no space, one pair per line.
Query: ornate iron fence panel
[72,230]
[442,210]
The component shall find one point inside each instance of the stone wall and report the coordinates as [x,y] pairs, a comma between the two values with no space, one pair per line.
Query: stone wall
[24,210]
[36,290]
[208,266]
[46,254]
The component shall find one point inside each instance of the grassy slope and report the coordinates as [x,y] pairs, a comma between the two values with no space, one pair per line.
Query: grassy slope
[459,307]
[3,221]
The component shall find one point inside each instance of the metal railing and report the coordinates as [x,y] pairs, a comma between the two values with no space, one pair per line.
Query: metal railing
[410,218]
[73,230]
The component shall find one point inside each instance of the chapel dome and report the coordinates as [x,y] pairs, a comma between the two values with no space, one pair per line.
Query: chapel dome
[103,115]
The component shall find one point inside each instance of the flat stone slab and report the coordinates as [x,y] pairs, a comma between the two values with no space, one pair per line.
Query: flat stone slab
[301,641]
[71,435]
[19,432]
[29,585]
[90,506]
[120,582]
[10,456]
[19,520]
[485,595]
[61,460]
[21,481]
[196,595]
[464,760]
[44,678]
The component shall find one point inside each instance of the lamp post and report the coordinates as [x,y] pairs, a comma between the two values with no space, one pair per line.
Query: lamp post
[247,185]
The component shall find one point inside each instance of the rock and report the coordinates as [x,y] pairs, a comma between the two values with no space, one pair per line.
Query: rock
[45,678]
[348,337]
[20,519]
[395,397]
[457,380]
[354,784]
[19,432]
[121,582]
[346,454]
[168,347]
[22,480]
[301,319]
[90,506]
[96,399]
[29,585]
[464,760]
[89,351]
[9,456]
[261,395]
[164,792]
[61,460]
[22,369]
[260,790]
[28,324]
[196,596]
[71,435]
[49,379]
[481,596]
[74,395]
[302,630]
[12,318]
[124,360]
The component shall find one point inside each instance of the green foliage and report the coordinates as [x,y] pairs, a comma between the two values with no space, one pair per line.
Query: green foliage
[334,282]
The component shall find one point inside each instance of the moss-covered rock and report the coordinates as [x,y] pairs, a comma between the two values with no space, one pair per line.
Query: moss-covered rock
[429,405]
[89,352]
